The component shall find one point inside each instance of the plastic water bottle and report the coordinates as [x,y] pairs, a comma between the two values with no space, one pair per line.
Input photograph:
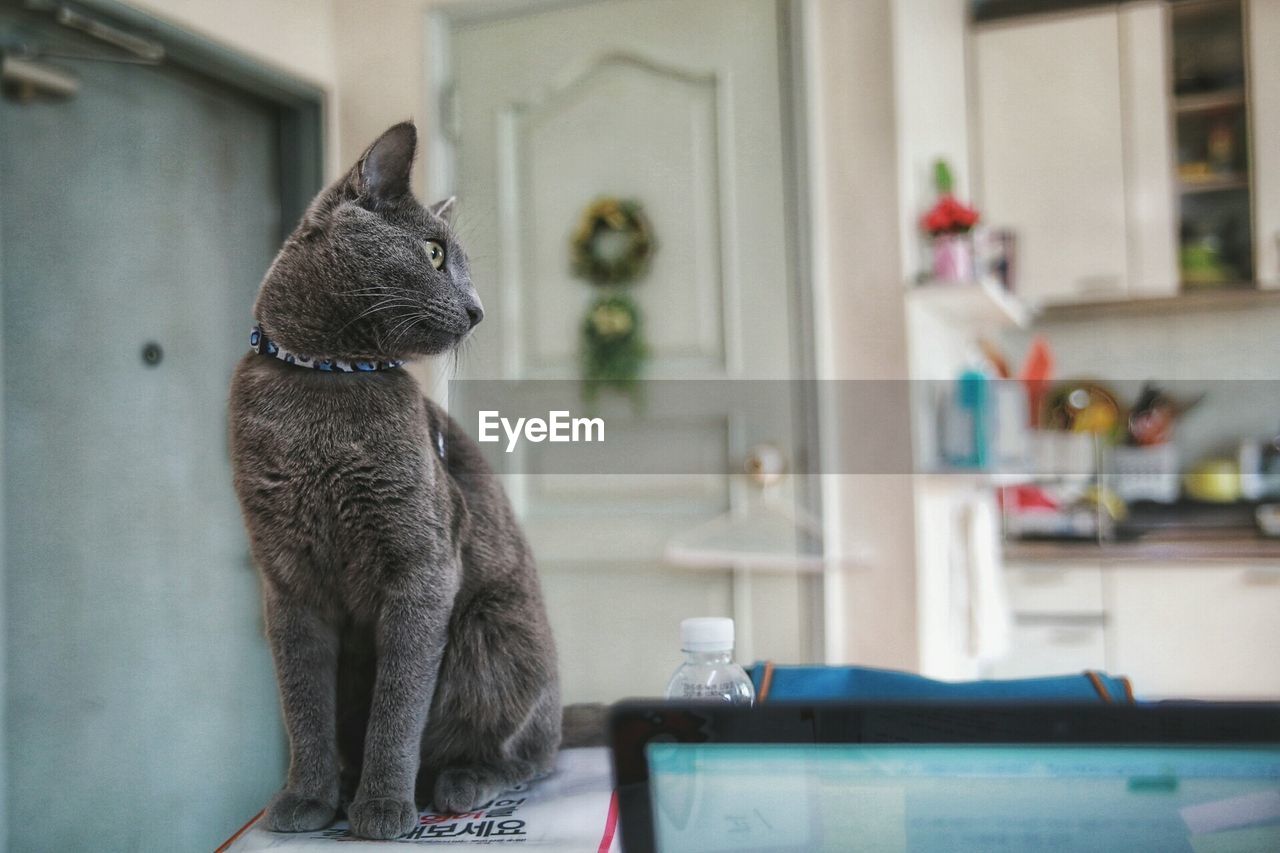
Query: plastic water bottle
[708,672]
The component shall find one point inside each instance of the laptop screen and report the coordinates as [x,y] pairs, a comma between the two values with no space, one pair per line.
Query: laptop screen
[964,797]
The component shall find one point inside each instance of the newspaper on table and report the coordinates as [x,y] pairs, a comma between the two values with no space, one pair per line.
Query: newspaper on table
[571,809]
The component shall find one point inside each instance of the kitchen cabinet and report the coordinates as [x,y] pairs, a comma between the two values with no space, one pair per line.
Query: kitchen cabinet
[1151,205]
[1059,620]
[1055,589]
[1075,151]
[1053,645]
[1198,630]
[1206,631]
[1262,24]
[1210,86]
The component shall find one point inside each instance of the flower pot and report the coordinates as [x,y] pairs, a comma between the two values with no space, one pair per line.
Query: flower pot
[952,257]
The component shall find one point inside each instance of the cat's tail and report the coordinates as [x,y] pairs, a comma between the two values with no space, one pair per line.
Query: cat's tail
[584,724]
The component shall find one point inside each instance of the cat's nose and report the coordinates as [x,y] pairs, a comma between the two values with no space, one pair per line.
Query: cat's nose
[475,313]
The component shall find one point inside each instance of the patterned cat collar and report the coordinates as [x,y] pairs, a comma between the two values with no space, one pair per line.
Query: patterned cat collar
[260,343]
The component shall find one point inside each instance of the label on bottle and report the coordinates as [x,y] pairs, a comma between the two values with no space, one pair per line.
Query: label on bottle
[723,690]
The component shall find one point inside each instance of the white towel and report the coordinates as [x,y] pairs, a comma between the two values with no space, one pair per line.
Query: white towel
[981,619]
[990,616]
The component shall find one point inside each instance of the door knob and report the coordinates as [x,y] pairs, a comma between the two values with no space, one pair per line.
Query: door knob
[765,464]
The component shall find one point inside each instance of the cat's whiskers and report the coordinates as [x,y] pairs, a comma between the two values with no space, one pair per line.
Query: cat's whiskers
[404,326]
[459,352]
[387,338]
[376,291]
[388,304]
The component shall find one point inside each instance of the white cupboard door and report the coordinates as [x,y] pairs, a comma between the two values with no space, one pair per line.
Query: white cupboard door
[1059,620]
[1055,589]
[1207,631]
[1053,646]
[1263,24]
[1150,204]
[1052,153]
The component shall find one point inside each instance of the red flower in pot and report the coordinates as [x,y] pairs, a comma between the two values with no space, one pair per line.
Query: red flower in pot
[949,216]
[947,222]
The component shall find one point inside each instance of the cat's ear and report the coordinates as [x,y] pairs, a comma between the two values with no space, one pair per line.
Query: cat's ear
[444,209]
[383,171]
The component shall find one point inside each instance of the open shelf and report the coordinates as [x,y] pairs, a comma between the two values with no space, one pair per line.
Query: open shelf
[1218,183]
[1207,101]
[1241,296]
[975,305]
[980,478]
[1209,76]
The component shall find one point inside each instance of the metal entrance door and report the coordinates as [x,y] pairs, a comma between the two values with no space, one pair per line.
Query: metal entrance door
[136,218]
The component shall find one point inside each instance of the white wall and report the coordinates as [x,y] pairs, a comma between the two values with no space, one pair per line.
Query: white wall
[293,36]
[1224,344]
[1263,23]
[368,56]
[1205,351]
[929,38]
[381,69]
[861,330]
[932,96]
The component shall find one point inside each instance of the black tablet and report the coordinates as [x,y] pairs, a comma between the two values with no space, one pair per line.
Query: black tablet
[955,777]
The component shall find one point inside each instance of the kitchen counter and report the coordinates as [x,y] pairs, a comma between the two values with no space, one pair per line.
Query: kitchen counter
[1225,544]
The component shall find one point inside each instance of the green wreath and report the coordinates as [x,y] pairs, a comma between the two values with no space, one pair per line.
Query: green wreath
[613,242]
[613,348]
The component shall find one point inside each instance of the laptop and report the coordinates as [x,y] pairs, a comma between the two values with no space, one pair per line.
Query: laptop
[703,778]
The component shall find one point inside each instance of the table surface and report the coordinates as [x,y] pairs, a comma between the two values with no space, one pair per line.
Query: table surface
[572,809]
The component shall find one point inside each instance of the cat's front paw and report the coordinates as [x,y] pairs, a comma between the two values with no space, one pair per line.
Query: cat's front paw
[290,812]
[382,817]
[460,789]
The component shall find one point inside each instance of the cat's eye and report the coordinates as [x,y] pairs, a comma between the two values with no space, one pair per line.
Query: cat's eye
[435,253]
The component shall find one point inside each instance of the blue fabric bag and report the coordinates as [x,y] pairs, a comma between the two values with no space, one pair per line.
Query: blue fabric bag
[810,683]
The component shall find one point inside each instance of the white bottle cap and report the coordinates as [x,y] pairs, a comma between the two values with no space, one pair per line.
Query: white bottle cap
[706,634]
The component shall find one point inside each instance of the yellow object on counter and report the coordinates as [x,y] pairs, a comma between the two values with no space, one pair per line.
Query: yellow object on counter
[1214,481]
[1112,503]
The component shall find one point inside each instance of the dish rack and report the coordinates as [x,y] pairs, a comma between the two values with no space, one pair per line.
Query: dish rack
[1144,473]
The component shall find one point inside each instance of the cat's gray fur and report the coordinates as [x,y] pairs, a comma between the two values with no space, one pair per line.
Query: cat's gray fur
[402,604]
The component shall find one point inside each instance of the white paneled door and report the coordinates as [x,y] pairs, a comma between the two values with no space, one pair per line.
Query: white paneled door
[678,106]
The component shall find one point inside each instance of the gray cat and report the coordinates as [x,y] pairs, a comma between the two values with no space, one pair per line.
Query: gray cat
[402,604]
